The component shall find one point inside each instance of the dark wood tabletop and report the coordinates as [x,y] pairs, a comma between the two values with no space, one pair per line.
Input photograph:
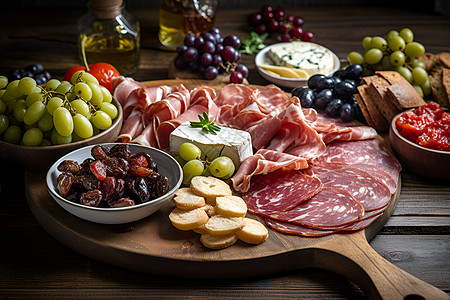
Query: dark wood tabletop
[33,264]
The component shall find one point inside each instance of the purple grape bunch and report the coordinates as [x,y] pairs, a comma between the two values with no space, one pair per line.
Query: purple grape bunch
[210,54]
[276,20]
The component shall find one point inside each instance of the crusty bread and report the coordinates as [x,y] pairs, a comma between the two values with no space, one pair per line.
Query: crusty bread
[210,209]
[253,232]
[364,110]
[188,219]
[404,96]
[444,57]
[200,229]
[431,61]
[220,225]
[210,188]
[446,83]
[185,199]
[438,89]
[231,206]
[377,91]
[218,241]
[380,123]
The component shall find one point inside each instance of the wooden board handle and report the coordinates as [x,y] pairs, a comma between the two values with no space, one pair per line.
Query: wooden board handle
[352,256]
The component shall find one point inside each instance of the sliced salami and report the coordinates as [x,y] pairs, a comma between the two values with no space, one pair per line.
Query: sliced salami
[279,191]
[369,191]
[330,208]
[291,228]
[373,170]
[371,152]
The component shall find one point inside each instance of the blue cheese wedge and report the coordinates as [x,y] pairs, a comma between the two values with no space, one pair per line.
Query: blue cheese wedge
[309,57]
[234,143]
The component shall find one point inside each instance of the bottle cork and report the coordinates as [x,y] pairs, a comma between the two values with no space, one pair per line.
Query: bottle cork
[106,9]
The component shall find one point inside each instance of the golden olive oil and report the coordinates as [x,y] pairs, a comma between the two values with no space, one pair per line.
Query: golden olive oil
[122,53]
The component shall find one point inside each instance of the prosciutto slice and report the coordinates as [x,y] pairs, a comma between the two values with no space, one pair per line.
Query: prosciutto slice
[201,101]
[330,207]
[264,161]
[279,191]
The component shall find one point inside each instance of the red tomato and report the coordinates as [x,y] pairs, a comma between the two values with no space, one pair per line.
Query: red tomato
[104,73]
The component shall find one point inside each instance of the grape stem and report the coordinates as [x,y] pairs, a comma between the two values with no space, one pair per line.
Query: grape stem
[83,53]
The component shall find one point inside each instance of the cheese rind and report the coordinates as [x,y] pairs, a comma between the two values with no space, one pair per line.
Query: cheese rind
[309,57]
[233,143]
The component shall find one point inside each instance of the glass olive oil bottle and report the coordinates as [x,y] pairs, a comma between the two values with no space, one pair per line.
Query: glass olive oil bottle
[109,33]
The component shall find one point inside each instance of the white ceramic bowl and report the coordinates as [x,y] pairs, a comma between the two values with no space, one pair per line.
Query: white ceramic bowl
[262,58]
[167,166]
[420,160]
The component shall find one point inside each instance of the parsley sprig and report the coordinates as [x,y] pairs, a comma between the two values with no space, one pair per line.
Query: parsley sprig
[205,124]
[254,44]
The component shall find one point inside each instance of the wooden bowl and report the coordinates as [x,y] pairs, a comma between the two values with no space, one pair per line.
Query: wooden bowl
[167,166]
[41,158]
[420,160]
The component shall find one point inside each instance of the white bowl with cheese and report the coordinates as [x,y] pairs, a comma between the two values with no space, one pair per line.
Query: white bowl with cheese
[306,58]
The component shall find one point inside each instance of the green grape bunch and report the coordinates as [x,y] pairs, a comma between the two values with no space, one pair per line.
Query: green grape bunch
[59,113]
[396,51]
[190,160]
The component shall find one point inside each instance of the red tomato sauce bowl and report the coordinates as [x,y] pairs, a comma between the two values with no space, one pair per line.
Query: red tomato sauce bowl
[419,137]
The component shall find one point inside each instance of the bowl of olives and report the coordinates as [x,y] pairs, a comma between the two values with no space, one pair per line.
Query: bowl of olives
[114,183]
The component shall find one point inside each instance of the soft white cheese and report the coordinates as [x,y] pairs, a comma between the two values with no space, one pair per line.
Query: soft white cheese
[234,143]
[307,56]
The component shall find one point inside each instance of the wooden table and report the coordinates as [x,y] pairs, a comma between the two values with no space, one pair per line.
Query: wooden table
[34,264]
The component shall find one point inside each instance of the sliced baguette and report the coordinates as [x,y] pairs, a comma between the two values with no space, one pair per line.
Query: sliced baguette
[220,225]
[218,241]
[210,188]
[185,199]
[231,206]
[253,232]
[188,219]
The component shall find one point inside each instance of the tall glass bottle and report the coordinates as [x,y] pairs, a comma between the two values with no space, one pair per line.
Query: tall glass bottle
[179,17]
[109,33]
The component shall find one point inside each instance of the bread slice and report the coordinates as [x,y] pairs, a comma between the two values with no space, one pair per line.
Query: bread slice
[444,57]
[210,209]
[185,199]
[380,123]
[220,225]
[210,188]
[188,219]
[364,110]
[438,89]
[431,61]
[377,91]
[392,77]
[231,206]
[217,242]
[200,229]
[404,96]
[253,232]
[446,84]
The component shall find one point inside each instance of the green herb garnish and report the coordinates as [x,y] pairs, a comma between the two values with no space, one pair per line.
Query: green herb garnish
[254,44]
[205,124]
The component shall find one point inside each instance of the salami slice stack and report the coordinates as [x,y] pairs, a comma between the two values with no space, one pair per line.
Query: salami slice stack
[355,181]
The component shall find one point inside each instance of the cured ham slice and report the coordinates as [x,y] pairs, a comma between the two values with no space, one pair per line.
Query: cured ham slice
[201,101]
[123,86]
[296,136]
[264,161]
[330,207]
[370,192]
[279,191]
[138,100]
[157,112]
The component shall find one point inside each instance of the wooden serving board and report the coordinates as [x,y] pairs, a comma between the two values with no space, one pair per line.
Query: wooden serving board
[153,245]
